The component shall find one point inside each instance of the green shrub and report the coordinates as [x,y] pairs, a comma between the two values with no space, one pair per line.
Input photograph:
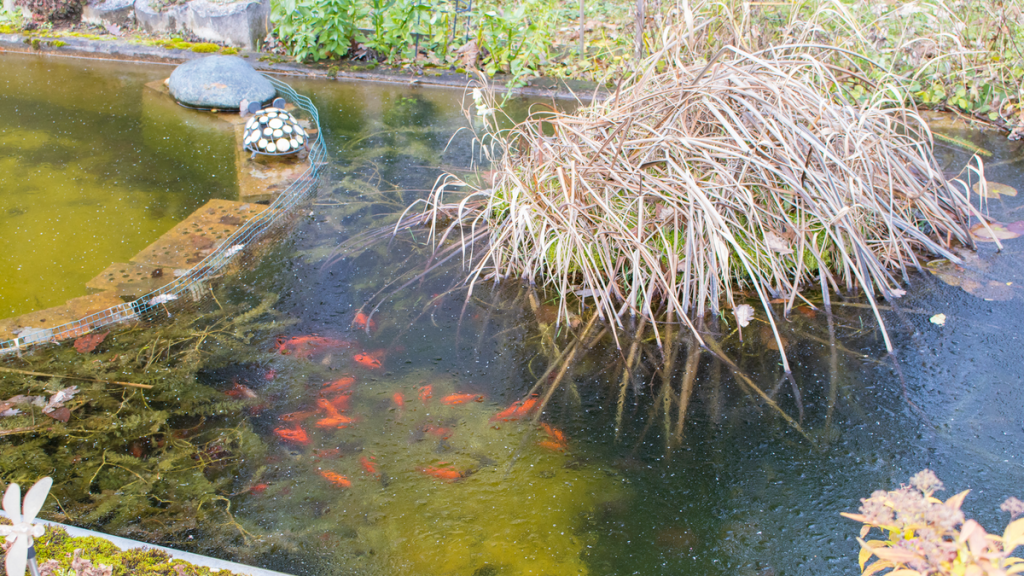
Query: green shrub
[314,30]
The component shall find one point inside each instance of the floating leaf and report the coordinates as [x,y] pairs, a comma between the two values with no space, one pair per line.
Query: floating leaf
[62,414]
[744,314]
[938,319]
[993,231]
[971,280]
[994,190]
[89,342]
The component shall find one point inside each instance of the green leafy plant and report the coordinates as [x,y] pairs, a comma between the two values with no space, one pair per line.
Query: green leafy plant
[925,536]
[514,42]
[315,30]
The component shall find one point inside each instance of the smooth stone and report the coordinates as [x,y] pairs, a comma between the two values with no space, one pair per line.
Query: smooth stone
[219,82]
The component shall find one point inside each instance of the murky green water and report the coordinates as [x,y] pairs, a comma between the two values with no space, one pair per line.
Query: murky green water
[447,488]
[93,168]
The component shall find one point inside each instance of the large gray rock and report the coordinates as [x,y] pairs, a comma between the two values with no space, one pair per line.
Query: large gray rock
[241,23]
[116,12]
[219,82]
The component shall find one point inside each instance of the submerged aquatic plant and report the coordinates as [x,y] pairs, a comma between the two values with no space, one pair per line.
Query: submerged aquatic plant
[697,186]
[928,536]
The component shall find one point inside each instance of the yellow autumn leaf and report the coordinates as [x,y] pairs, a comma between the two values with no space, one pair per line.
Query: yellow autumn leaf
[880,565]
[1013,536]
[994,190]
[896,555]
[957,500]
[904,572]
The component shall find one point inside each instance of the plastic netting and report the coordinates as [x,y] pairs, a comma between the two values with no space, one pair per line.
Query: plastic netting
[192,286]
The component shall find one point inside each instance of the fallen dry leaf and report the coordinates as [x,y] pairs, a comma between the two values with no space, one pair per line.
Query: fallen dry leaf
[89,342]
[994,230]
[938,319]
[970,279]
[994,190]
[744,314]
[62,414]
[468,53]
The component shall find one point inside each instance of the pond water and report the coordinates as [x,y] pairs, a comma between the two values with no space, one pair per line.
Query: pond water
[93,168]
[391,446]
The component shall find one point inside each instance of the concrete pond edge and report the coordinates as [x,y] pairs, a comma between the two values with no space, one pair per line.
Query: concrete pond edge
[122,50]
[190,557]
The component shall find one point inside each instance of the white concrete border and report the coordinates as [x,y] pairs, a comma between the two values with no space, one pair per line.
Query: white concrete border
[197,559]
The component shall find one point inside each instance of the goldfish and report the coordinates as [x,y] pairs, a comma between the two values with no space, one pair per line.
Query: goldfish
[454,399]
[340,402]
[296,416]
[337,421]
[319,455]
[440,431]
[328,407]
[241,391]
[343,384]
[426,393]
[368,465]
[368,360]
[518,410]
[270,374]
[556,439]
[399,399]
[336,479]
[446,474]
[259,488]
[364,322]
[304,346]
[297,434]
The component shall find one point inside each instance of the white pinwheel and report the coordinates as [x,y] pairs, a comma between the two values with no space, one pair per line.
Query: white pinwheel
[23,531]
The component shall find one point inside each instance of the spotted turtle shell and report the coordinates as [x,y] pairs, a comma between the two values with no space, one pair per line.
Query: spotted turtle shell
[265,129]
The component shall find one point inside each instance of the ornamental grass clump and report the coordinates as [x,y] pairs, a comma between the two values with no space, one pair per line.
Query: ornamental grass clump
[699,185]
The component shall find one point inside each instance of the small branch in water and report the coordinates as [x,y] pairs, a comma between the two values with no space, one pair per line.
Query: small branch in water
[27,373]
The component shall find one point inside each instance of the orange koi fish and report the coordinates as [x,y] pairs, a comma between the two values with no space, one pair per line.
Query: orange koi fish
[556,439]
[446,474]
[303,346]
[337,421]
[363,322]
[368,466]
[517,411]
[343,384]
[340,402]
[426,393]
[440,431]
[336,479]
[297,434]
[328,407]
[454,399]
[241,391]
[368,360]
[296,416]
[399,399]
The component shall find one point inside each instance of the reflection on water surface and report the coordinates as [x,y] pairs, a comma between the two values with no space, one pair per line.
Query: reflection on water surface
[422,464]
[93,168]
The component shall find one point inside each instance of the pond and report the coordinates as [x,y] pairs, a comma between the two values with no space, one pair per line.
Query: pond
[288,430]
[93,168]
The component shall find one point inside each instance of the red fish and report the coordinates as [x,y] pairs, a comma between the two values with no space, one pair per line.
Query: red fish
[343,384]
[363,322]
[270,374]
[426,393]
[259,488]
[369,466]
[340,402]
[296,416]
[399,399]
[517,411]
[446,474]
[556,439]
[297,434]
[368,360]
[241,391]
[336,479]
[328,407]
[454,399]
[304,346]
[439,431]
[338,421]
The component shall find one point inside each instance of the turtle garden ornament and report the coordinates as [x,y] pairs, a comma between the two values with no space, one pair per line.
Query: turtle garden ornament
[272,130]
[20,535]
